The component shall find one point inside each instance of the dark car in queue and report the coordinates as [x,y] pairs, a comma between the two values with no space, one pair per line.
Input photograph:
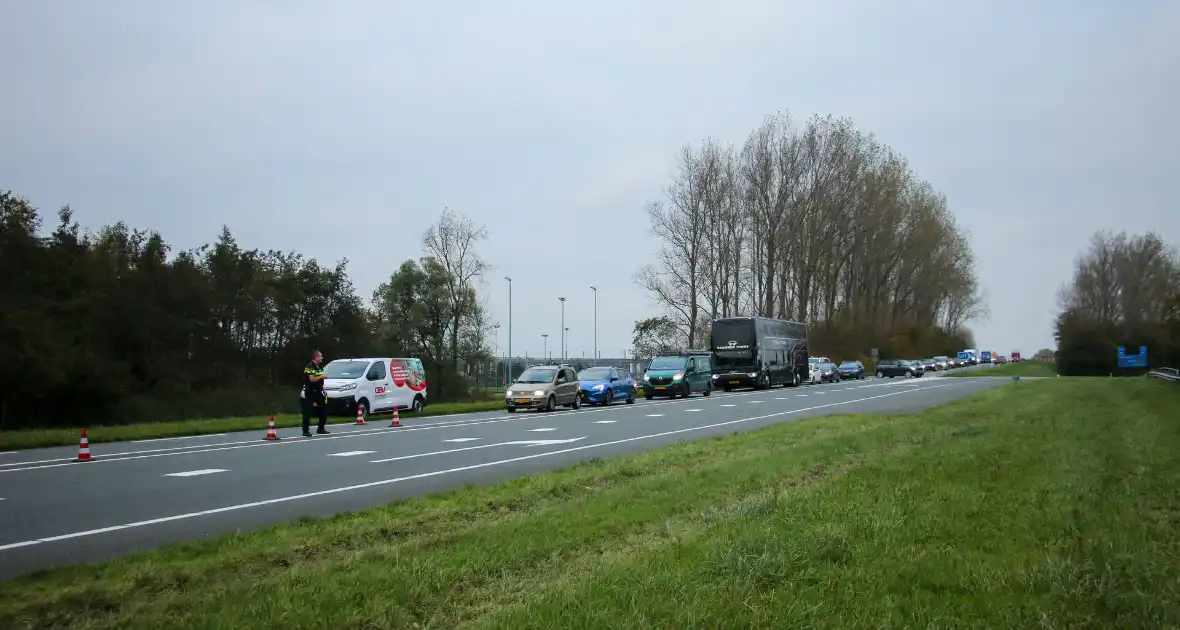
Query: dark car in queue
[604,385]
[829,373]
[678,375]
[889,368]
[852,369]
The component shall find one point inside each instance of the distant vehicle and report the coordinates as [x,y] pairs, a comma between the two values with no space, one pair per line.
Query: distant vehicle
[919,368]
[944,363]
[895,367]
[931,365]
[1015,357]
[544,387]
[828,373]
[815,373]
[374,385]
[973,358]
[678,375]
[604,385]
[852,369]
[758,352]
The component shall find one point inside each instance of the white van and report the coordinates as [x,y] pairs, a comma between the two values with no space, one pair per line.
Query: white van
[376,384]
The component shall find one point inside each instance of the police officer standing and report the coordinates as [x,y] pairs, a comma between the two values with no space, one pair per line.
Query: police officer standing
[314,397]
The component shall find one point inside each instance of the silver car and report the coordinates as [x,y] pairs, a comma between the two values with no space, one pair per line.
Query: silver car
[544,387]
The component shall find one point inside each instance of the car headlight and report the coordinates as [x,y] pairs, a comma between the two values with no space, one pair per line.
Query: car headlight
[508,394]
[753,375]
[539,392]
[677,376]
[598,387]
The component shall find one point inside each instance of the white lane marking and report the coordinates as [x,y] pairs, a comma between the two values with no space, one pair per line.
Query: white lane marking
[817,393]
[693,410]
[542,430]
[351,453]
[604,422]
[780,398]
[802,395]
[470,448]
[755,402]
[433,473]
[728,405]
[182,437]
[462,439]
[655,415]
[9,452]
[209,448]
[194,473]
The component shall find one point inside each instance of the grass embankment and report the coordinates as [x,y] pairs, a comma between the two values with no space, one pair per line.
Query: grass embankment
[1021,368]
[37,438]
[1044,504]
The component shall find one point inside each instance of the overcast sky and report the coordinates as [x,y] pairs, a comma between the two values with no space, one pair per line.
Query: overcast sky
[341,129]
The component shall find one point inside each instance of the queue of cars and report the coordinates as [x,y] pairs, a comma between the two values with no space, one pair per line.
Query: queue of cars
[545,387]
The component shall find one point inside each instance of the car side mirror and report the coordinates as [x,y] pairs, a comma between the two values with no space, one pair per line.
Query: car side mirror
[614,378]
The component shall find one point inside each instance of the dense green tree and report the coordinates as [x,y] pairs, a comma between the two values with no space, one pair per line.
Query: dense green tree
[112,326]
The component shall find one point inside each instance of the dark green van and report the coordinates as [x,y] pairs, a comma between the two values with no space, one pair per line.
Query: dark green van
[678,375]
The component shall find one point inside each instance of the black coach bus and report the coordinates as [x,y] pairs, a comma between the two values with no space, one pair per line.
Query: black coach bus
[758,352]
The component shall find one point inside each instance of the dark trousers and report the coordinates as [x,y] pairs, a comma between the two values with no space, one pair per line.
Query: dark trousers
[318,407]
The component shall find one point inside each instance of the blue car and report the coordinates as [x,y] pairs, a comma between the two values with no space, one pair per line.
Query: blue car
[605,385]
[852,369]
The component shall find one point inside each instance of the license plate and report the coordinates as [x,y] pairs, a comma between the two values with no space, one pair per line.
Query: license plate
[523,401]
[735,382]
[661,387]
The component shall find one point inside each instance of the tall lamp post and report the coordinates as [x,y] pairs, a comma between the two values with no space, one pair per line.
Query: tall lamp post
[566,340]
[545,348]
[595,355]
[509,363]
[563,327]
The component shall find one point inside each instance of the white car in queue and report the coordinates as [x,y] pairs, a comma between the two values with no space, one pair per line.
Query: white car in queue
[374,385]
[815,374]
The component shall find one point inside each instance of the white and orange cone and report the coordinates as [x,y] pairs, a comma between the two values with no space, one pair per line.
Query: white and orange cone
[360,414]
[84,448]
[395,422]
[271,433]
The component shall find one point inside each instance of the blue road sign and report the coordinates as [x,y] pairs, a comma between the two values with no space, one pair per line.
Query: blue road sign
[964,356]
[1133,360]
[985,356]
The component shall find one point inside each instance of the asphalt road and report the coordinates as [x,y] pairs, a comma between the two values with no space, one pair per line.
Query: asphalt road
[141,495]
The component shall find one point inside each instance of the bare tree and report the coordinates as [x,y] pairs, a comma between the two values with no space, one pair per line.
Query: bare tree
[451,241]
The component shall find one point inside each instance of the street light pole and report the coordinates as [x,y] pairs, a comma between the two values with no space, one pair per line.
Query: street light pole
[566,341]
[509,365]
[595,355]
[545,350]
[563,327]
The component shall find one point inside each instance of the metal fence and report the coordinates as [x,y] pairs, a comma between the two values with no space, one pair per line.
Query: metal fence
[1166,374]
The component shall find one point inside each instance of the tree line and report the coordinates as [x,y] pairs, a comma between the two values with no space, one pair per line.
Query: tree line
[1125,291]
[111,326]
[817,222]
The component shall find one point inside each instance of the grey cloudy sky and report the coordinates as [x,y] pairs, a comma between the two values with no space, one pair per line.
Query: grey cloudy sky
[341,129]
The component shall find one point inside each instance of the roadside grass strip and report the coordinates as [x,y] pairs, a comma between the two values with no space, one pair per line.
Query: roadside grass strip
[1021,368]
[1048,504]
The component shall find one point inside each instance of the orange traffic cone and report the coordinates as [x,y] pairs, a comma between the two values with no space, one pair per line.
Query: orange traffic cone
[84,448]
[271,433]
[395,422]
[360,414]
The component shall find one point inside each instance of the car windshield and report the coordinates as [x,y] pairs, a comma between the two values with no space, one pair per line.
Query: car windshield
[666,363]
[594,374]
[814,360]
[345,369]
[828,366]
[537,375]
[849,364]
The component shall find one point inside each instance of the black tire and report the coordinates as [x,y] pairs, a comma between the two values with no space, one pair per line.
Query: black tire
[418,404]
[610,398]
[708,390]
[577,404]
[647,396]
[880,374]
[551,404]
[631,397]
[512,410]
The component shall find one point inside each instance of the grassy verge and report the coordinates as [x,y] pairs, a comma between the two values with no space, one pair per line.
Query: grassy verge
[1023,368]
[37,438]
[1047,504]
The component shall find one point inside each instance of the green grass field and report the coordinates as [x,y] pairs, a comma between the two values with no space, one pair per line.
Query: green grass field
[36,438]
[1023,368]
[1045,504]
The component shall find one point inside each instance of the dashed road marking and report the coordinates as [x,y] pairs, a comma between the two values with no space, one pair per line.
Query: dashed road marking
[603,422]
[655,415]
[462,439]
[350,453]
[194,473]
[541,430]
